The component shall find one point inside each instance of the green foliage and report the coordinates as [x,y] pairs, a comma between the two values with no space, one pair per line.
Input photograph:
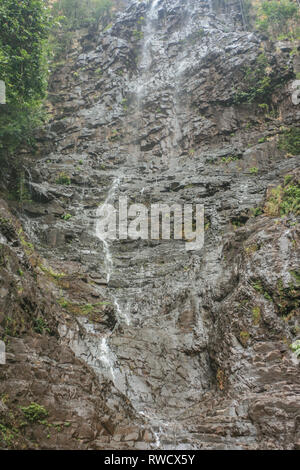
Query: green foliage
[257,285]
[284,200]
[24,28]
[287,179]
[296,276]
[63,302]
[257,83]
[138,34]
[141,20]
[256,315]
[114,135]
[40,326]
[244,337]
[264,107]
[267,296]
[277,16]
[7,435]
[34,412]
[63,179]
[80,13]
[229,159]
[18,123]
[295,347]
[82,309]
[256,211]
[66,217]
[278,19]
[291,200]
[61,42]
[51,273]
[290,141]
[69,15]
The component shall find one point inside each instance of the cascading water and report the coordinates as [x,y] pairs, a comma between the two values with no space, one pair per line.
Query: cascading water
[152,45]
[154,82]
[106,354]
[149,36]
[106,358]
[109,361]
[108,258]
[138,276]
[165,432]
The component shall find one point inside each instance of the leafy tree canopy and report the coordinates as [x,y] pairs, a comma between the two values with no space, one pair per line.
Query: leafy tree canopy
[24,28]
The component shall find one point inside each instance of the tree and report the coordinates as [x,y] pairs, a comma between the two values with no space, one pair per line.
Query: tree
[24,28]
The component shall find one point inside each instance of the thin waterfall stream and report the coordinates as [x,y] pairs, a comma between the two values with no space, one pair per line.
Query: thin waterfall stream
[106,354]
[108,257]
[98,348]
[160,427]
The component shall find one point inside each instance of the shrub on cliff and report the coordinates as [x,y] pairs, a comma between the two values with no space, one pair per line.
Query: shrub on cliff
[34,412]
[284,199]
[256,83]
[277,16]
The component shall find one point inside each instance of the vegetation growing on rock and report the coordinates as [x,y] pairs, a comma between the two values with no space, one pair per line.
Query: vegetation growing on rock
[284,199]
[34,412]
[276,18]
[28,38]
[289,141]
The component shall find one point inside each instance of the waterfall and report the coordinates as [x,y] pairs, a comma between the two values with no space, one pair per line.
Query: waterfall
[108,258]
[144,78]
[154,81]
[106,355]
[152,43]
[106,358]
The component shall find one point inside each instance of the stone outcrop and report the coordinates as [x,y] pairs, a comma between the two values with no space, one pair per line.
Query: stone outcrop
[172,349]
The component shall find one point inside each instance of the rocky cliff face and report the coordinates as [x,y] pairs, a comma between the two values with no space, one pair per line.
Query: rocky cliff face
[142,344]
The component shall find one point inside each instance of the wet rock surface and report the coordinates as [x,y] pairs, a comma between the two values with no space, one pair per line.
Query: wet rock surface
[40,369]
[166,348]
